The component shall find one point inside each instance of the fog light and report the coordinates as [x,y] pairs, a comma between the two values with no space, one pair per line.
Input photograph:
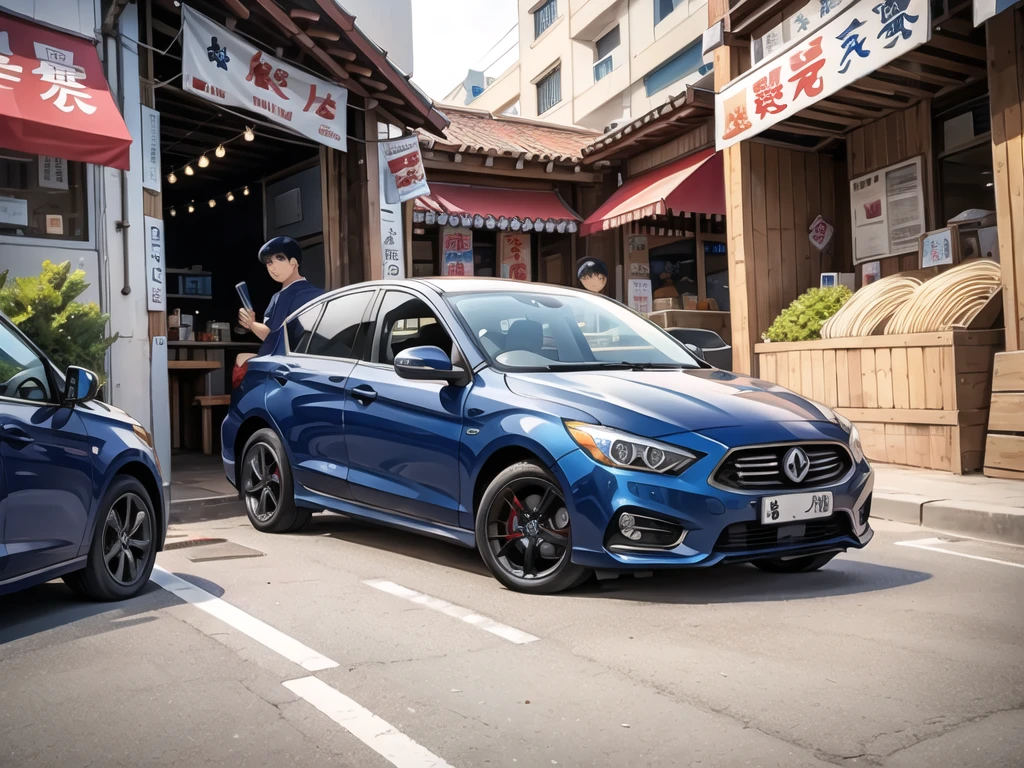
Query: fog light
[640,531]
[626,525]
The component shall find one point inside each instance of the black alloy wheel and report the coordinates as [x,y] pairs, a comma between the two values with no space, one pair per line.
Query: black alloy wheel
[127,539]
[267,486]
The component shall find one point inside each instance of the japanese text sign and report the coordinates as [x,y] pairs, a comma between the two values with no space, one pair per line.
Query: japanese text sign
[515,256]
[802,22]
[156,285]
[54,99]
[457,252]
[405,164]
[866,36]
[222,67]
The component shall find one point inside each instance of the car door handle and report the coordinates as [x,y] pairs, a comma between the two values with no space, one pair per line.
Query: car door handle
[364,394]
[14,434]
[336,379]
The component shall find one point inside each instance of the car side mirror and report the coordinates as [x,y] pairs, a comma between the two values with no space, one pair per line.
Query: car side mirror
[81,386]
[427,364]
[697,351]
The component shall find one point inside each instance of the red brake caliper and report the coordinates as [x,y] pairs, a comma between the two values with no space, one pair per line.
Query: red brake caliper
[517,509]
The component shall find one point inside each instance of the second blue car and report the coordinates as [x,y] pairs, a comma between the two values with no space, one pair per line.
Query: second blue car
[555,430]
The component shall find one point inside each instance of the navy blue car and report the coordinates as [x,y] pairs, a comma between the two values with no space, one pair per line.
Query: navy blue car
[557,431]
[80,487]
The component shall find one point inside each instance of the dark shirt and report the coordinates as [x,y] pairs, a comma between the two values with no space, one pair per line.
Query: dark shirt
[283,304]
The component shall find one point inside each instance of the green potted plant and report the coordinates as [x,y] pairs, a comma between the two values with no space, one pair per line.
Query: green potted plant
[802,320]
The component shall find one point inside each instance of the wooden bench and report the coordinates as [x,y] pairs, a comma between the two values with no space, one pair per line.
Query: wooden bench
[208,402]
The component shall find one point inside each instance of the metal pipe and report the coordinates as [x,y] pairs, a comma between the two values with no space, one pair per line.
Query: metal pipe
[123,224]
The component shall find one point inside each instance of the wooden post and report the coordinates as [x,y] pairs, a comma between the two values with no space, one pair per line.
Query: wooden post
[375,252]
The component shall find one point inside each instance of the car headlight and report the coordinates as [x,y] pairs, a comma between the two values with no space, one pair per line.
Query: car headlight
[855,445]
[626,451]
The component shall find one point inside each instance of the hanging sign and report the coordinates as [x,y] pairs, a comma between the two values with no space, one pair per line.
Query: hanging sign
[515,256]
[864,37]
[224,68]
[640,296]
[393,245]
[802,23]
[986,9]
[821,233]
[151,176]
[156,289]
[53,172]
[457,252]
[887,211]
[405,163]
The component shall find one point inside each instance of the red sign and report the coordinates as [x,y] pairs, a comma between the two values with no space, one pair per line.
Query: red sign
[54,99]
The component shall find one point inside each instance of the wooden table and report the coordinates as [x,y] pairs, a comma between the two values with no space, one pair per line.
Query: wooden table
[176,369]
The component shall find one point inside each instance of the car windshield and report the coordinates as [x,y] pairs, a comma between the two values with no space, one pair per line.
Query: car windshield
[542,331]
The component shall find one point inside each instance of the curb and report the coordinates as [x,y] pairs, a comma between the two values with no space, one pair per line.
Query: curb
[974,519]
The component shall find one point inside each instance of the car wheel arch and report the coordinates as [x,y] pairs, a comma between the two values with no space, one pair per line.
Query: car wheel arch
[137,469]
[249,427]
[506,456]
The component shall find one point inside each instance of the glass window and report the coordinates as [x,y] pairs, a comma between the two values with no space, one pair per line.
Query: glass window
[683,64]
[406,322]
[22,371]
[549,91]
[300,329]
[341,331]
[663,8]
[608,43]
[716,273]
[558,331]
[674,270]
[544,17]
[42,197]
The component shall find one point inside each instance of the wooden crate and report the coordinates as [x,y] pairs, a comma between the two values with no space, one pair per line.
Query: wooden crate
[1004,448]
[919,400]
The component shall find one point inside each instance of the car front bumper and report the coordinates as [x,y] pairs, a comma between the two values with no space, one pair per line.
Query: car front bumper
[721,526]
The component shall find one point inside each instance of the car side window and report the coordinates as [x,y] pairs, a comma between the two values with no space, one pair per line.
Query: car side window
[300,329]
[22,371]
[406,321]
[341,331]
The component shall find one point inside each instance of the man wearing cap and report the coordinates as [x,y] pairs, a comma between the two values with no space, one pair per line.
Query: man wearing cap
[283,259]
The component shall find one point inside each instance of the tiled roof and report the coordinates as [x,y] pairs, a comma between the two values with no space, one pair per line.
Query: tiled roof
[480,132]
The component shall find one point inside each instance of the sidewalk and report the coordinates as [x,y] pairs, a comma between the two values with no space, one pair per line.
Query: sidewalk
[971,505]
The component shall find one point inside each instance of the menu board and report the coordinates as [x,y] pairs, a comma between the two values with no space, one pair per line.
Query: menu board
[887,211]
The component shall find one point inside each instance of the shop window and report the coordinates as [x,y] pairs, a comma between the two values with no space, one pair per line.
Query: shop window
[963,138]
[683,64]
[549,91]
[485,247]
[43,197]
[674,270]
[544,17]
[716,273]
[341,332]
[662,8]
[603,57]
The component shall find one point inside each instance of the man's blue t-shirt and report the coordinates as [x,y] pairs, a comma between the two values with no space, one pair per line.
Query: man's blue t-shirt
[283,304]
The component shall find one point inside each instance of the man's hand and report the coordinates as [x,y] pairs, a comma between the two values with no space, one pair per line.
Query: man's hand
[246,318]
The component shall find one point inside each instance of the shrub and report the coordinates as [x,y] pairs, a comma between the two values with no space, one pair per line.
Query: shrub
[802,320]
[44,308]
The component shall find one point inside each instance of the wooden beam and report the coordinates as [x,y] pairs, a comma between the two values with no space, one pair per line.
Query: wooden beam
[324,34]
[928,60]
[356,69]
[475,165]
[957,46]
[237,8]
[341,53]
[388,98]
[374,84]
[896,70]
[299,13]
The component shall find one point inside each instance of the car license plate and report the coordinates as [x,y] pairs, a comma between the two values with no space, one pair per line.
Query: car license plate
[795,506]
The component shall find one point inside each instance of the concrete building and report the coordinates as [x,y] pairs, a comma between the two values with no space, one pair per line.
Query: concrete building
[592,63]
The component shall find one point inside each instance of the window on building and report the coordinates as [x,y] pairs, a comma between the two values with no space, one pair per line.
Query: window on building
[663,8]
[603,58]
[544,17]
[42,197]
[341,332]
[549,91]
[683,64]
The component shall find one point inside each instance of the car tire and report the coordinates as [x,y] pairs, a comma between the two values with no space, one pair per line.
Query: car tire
[266,485]
[796,564]
[564,574]
[118,566]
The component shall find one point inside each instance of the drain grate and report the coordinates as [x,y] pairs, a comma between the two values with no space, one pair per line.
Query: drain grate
[199,542]
[226,550]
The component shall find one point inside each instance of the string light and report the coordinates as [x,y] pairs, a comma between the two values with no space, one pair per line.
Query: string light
[220,151]
[249,135]
[189,170]
[231,196]
[191,208]
[171,178]
[203,161]
[213,203]
[173,213]
[245,191]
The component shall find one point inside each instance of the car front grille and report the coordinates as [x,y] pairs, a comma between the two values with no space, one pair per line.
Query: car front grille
[760,467]
[751,537]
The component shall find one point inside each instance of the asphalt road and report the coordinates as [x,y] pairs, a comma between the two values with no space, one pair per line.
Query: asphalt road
[356,646]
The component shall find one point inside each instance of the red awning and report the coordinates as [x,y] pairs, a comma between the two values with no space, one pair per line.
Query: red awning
[54,99]
[470,206]
[694,184]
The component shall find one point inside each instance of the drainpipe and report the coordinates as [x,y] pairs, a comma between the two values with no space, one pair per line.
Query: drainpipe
[123,224]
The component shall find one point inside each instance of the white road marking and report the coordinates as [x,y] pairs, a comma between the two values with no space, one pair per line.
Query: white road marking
[376,733]
[511,634]
[258,630]
[206,498]
[927,544]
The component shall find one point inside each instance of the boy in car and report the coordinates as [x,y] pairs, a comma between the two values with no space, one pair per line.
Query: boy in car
[283,259]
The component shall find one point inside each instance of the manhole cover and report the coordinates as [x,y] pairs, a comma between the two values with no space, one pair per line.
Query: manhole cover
[225,550]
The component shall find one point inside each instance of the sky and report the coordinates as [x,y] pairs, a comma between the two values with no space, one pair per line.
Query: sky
[450,37]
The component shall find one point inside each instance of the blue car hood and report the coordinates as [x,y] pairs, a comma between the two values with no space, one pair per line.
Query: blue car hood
[659,403]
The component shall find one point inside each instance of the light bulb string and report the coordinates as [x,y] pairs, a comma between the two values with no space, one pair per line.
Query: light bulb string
[205,201]
[180,169]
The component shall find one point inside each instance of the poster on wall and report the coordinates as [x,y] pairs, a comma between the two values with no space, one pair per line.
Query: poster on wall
[405,164]
[14,211]
[224,68]
[515,257]
[856,41]
[937,248]
[156,289]
[53,172]
[640,296]
[638,261]
[457,252]
[151,176]
[887,211]
[871,271]
[821,233]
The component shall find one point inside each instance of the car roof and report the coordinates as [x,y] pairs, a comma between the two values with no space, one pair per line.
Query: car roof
[444,285]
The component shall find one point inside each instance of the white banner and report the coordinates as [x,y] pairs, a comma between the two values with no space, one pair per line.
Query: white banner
[222,67]
[866,36]
[986,9]
[156,280]
[405,164]
[151,149]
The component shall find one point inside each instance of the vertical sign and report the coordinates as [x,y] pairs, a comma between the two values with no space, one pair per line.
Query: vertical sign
[405,165]
[156,289]
[515,256]
[457,250]
[161,414]
[393,243]
[638,262]
[640,296]
[53,172]
[151,176]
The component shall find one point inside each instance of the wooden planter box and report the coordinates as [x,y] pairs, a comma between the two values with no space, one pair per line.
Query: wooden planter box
[920,400]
